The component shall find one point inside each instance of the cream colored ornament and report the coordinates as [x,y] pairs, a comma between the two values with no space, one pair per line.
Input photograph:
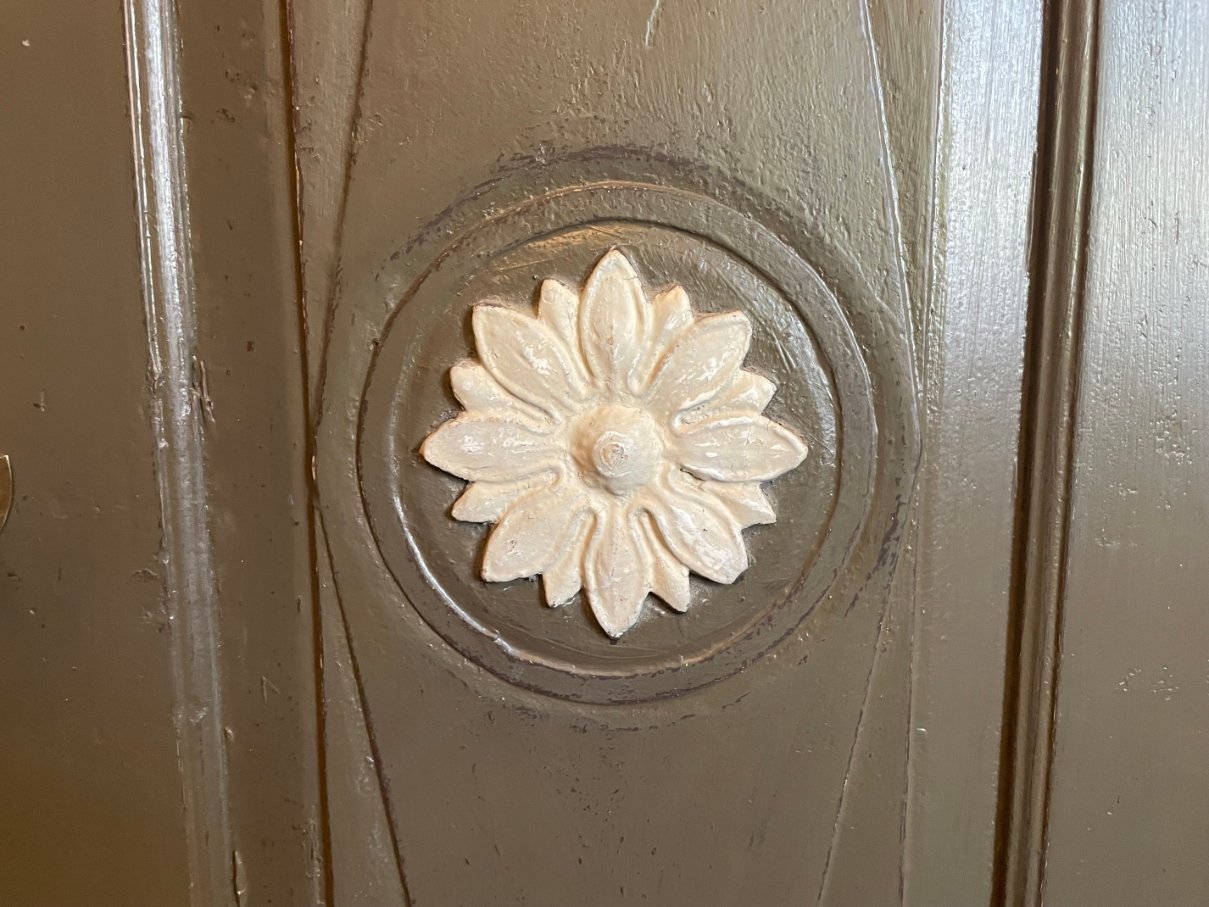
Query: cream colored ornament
[615,441]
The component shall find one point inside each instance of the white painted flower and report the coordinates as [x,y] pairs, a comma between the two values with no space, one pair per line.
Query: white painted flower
[615,441]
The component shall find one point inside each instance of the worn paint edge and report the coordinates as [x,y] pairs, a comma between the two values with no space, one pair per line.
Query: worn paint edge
[1061,209]
[178,416]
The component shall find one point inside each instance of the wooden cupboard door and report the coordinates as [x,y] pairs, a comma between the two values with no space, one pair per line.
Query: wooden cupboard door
[852,179]
[507,453]
[317,197]
[828,380]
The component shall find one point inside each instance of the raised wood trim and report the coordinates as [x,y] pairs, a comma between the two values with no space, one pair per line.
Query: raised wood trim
[1061,205]
[178,410]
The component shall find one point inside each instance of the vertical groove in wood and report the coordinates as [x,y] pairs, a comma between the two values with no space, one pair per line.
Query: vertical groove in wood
[323,893]
[177,412]
[326,63]
[1061,206]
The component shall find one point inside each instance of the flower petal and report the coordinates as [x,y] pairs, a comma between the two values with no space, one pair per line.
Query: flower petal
[701,363]
[612,320]
[526,357]
[489,449]
[564,578]
[743,449]
[671,315]
[485,502]
[669,577]
[478,392]
[698,530]
[617,574]
[558,309]
[749,393]
[746,501]
[534,532]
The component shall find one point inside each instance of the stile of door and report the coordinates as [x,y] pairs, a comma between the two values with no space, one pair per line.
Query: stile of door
[1128,818]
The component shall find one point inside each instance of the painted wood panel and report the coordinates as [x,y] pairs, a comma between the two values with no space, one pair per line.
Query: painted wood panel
[853,180]
[490,794]
[91,796]
[1128,815]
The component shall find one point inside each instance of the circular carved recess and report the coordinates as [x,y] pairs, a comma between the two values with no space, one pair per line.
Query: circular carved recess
[800,341]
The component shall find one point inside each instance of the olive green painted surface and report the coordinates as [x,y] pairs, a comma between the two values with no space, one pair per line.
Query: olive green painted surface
[371,750]
[560,808]
[250,341]
[1129,808]
[90,802]
[157,640]
[973,323]
[786,784]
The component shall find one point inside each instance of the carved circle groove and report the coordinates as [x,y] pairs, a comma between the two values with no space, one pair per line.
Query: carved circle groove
[801,341]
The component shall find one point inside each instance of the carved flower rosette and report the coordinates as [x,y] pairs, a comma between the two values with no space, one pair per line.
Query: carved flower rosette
[615,441]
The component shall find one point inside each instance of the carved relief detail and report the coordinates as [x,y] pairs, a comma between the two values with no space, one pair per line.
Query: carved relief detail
[615,441]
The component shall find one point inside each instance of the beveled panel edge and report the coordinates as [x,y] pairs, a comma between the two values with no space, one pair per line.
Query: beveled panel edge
[1061,209]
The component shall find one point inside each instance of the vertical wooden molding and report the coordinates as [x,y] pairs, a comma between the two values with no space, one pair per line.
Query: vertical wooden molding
[178,411]
[323,878]
[1061,205]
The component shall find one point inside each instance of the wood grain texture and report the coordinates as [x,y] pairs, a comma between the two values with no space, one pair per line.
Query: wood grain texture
[1129,815]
